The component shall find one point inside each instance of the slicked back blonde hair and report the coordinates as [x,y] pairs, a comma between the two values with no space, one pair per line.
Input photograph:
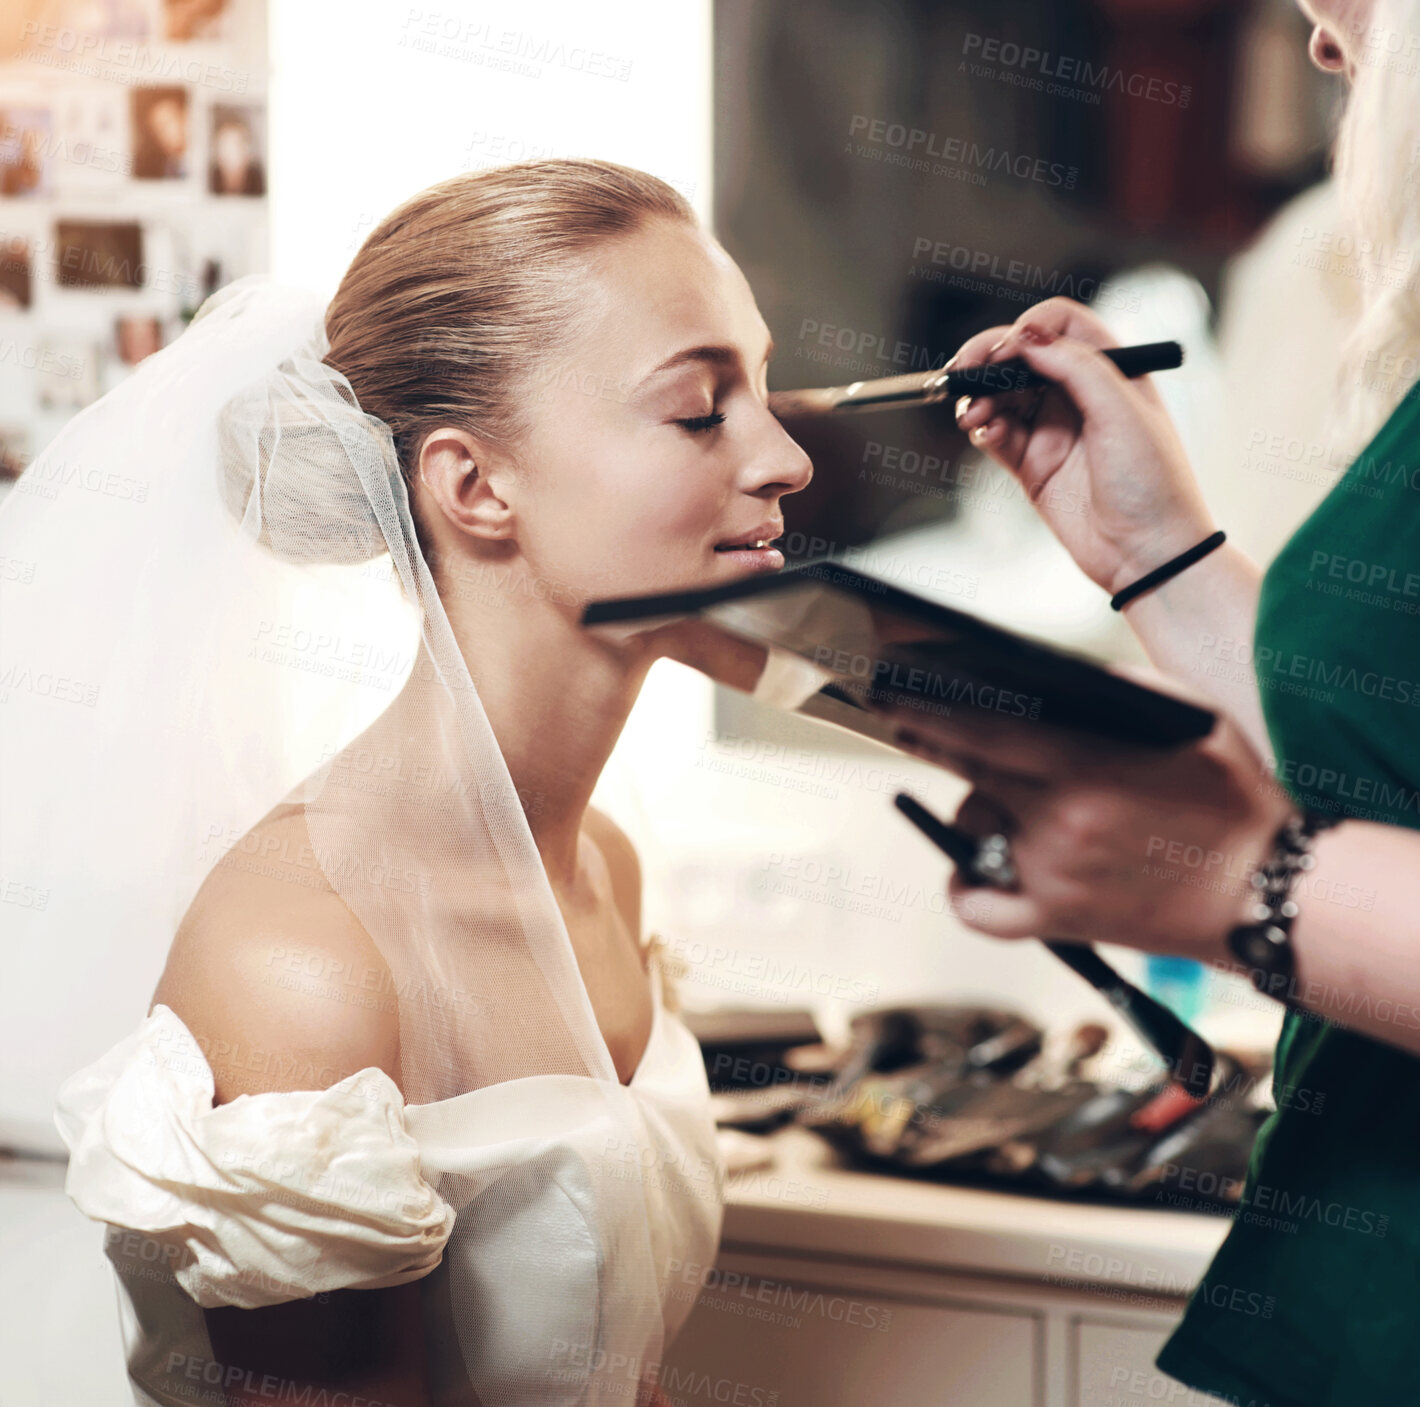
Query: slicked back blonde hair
[462,292]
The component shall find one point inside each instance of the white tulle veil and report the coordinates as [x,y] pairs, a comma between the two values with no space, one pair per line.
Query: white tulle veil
[213,588]
[222,588]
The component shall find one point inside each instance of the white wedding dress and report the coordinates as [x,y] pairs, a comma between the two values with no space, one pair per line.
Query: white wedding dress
[558,1224]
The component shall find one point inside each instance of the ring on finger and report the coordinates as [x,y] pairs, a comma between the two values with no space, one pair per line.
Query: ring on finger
[994,864]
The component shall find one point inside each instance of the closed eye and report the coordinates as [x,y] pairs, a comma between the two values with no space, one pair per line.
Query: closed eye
[702,422]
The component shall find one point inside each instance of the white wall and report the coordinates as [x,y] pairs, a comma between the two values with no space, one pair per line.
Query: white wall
[372,100]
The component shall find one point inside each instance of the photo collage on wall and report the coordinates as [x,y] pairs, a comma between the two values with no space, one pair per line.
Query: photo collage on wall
[133,184]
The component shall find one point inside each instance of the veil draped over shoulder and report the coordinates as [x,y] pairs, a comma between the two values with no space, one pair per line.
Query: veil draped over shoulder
[213,591]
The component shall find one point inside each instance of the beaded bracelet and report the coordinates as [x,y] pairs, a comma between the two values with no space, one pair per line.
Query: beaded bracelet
[1264,946]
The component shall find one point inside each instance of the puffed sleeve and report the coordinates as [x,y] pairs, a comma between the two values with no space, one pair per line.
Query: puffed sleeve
[271,1197]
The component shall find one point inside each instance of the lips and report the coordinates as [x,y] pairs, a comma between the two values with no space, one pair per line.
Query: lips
[760,536]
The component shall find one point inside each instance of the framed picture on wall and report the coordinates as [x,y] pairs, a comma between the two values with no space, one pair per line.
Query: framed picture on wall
[15,286]
[159,126]
[194,19]
[237,165]
[15,450]
[137,336]
[26,143]
[98,254]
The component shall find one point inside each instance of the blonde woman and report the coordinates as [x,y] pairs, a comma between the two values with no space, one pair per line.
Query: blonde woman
[1316,663]
[410,1117]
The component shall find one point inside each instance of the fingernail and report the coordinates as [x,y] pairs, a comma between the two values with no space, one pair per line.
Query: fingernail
[949,365]
[996,347]
[1040,336]
[982,431]
[963,405]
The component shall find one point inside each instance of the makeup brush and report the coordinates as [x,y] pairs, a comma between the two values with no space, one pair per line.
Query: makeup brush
[930,387]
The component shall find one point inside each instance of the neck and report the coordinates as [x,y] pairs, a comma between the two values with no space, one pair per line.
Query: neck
[556,697]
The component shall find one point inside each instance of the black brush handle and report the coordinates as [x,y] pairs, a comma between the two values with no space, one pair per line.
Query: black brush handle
[1189,1057]
[1183,1050]
[995,378]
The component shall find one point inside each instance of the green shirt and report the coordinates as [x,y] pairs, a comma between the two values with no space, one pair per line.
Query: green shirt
[1314,1297]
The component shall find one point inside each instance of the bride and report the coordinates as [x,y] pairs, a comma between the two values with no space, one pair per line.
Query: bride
[410,1116]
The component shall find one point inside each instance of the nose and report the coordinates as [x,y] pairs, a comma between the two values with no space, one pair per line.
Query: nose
[1325,52]
[781,463]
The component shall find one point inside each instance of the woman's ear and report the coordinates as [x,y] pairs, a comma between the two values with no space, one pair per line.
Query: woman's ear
[463,480]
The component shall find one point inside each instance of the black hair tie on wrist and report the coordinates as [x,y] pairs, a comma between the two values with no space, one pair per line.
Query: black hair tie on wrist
[1169,568]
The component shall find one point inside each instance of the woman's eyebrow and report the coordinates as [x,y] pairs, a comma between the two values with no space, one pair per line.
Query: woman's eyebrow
[716,354]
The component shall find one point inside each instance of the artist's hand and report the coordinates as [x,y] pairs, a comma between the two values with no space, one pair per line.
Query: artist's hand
[1113,842]
[1099,457]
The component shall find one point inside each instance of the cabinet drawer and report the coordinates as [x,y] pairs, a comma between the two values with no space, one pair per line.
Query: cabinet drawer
[778,1343]
[1114,1367]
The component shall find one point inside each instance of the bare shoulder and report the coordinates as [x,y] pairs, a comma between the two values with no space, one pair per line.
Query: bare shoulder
[623,864]
[263,964]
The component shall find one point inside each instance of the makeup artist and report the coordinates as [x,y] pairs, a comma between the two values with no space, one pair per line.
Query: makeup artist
[1303,873]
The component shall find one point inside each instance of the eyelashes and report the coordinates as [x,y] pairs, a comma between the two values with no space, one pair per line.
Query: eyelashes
[697,423]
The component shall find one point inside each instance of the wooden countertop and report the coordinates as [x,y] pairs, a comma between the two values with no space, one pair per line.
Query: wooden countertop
[808,1203]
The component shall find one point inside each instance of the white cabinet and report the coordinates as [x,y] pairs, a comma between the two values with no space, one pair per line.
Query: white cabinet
[808,1343]
[1114,1367]
[776,1331]
[860,1290]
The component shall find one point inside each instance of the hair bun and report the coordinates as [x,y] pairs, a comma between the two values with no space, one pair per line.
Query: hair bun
[296,456]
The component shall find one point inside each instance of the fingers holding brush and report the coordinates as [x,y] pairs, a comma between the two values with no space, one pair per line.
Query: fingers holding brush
[984,889]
